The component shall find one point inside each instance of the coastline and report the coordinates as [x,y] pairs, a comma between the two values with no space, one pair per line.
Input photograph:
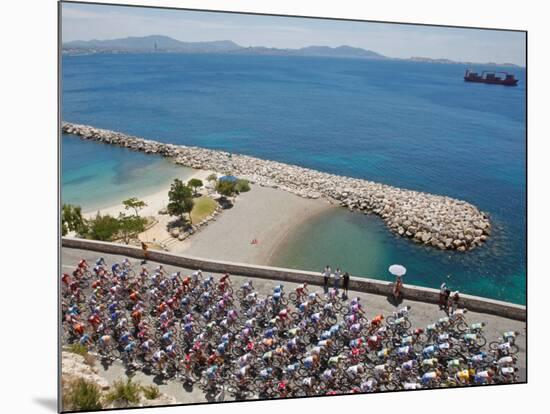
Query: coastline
[266,214]
[437,221]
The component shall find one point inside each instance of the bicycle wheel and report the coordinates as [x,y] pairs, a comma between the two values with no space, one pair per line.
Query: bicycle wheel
[293,296]
[390,320]
[493,346]
[115,353]
[461,326]
[481,341]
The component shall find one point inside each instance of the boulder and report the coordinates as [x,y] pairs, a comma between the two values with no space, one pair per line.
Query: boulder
[426,237]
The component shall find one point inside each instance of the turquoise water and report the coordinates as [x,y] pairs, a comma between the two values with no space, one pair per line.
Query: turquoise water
[367,248]
[409,124]
[96,175]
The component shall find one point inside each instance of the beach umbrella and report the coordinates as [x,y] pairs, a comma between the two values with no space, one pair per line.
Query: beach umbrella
[230,178]
[397,270]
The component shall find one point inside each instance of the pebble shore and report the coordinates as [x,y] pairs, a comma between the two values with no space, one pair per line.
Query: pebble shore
[439,221]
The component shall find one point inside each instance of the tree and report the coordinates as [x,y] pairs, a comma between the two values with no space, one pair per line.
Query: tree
[212,177]
[180,199]
[130,226]
[134,204]
[225,188]
[195,183]
[103,228]
[72,220]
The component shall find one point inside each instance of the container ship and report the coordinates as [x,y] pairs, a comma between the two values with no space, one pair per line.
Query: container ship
[491,77]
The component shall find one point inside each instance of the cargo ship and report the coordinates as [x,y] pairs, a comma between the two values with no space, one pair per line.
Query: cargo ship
[491,77]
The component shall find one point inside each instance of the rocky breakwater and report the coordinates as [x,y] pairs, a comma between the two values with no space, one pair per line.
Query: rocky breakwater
[439,221]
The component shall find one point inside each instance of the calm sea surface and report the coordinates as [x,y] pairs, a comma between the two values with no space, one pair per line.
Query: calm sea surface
[412,125]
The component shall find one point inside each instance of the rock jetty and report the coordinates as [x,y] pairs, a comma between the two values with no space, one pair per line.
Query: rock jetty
[439,221]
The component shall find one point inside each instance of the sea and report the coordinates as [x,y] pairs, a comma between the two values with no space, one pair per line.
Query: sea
[414,125]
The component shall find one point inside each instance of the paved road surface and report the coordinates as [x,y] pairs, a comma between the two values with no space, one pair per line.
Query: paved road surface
[421,315]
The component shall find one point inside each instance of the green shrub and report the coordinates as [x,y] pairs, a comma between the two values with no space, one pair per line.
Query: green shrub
[225,188]
[82,395]
[103,228]
[124,391]
[151,392]
[242,186]
[78,348]
[212,177]
[81,350]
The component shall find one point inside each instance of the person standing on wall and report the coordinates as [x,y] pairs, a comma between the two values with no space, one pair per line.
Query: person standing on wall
[454,301]
[397,288]
[345,283]
[326,276]
[447,299]
[145,252]
[337,276]
[442,296]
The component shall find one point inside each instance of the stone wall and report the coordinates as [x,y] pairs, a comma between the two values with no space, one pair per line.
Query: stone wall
[438,221]
[360,284]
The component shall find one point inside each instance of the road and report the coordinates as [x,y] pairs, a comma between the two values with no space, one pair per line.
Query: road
[422,314]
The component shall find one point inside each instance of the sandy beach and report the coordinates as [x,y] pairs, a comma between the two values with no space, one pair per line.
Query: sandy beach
[264,214]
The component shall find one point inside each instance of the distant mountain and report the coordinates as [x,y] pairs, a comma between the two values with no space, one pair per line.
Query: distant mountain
[449,61]
[341,51]
[158,43]
[154,43]
[319,51]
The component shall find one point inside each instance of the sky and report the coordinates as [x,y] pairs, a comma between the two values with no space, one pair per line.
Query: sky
[89,21]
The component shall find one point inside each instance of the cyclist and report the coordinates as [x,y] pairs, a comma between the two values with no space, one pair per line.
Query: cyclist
[354,371]
[430,378]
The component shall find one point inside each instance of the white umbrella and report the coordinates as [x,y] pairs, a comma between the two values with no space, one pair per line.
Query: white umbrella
[397,270]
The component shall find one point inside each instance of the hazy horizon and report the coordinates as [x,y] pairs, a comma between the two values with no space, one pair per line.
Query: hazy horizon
[105,22]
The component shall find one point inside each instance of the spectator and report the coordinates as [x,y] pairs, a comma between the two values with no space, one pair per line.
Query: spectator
[326,276]
[447,299]
[454,301]
[337,276]
[345,281]
[442,297]
[397,288]
[145,253]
